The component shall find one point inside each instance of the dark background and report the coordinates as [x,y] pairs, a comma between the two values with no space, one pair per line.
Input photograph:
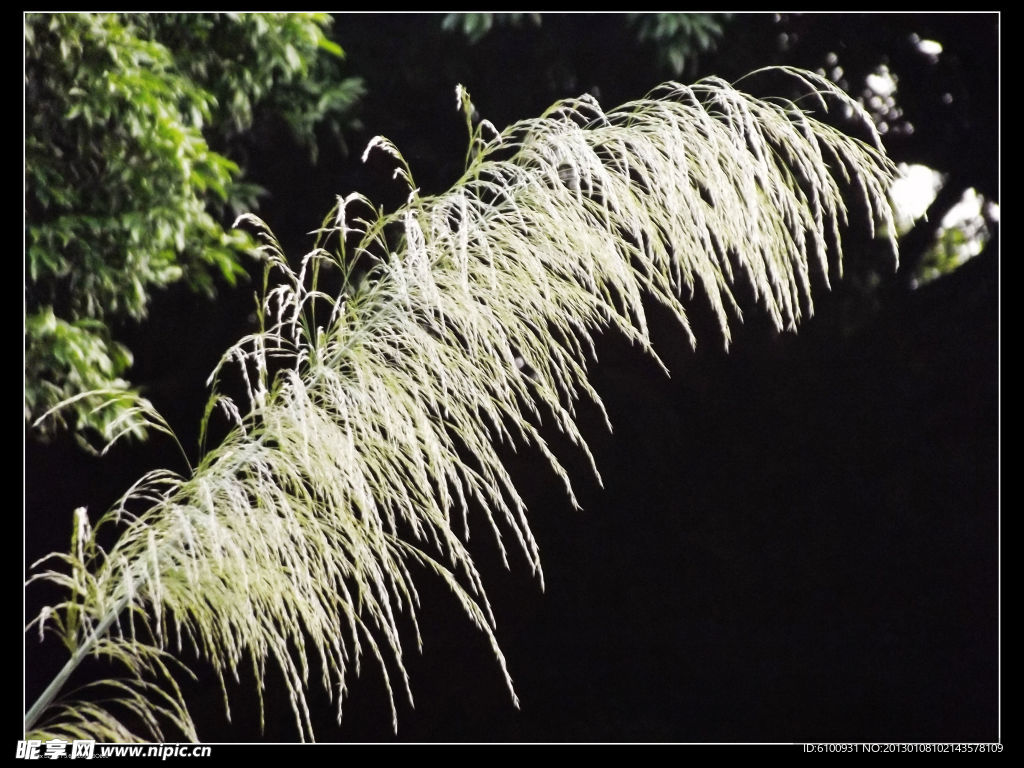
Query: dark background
[796,540]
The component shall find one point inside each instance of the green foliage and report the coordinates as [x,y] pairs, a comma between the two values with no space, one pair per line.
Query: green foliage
[277,64]
[679,37]
[63,358]
[124,194]
[676,38]
[476,26]
[962,236]
[375,413]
